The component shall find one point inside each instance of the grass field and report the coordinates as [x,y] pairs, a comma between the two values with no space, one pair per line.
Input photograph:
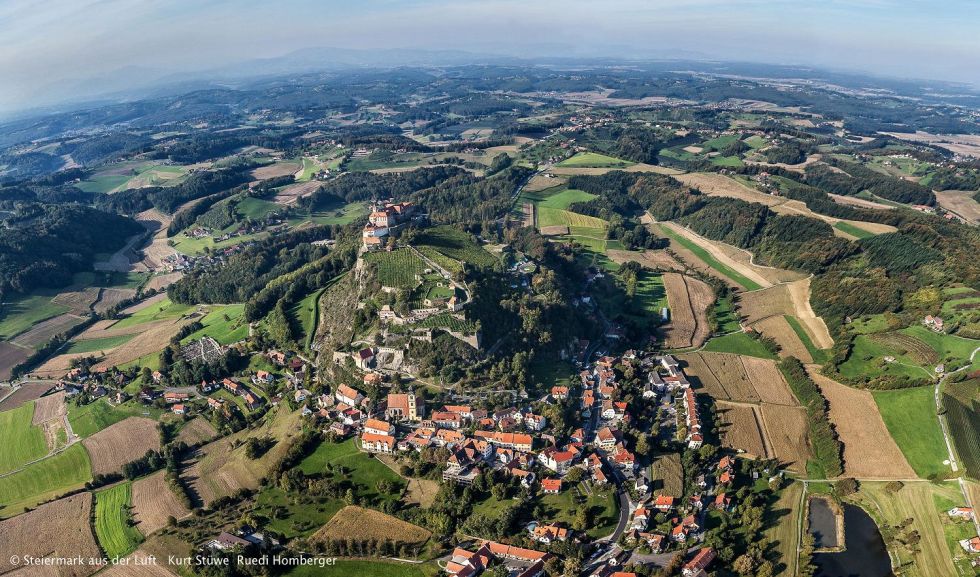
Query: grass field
[295,517]
[783,522]
[819,356]
[548,216]
[738,343]
[454,244]
[225,324]
[97,415]
[365,471]
[650,292]
[339,214]
[960,400]
[21,313]
[566,198]
[256,208]
[368,568]
[306,312]
[165,309]
[397,268]
[116,535]
[910,415]
[602,505]
[949,347]
[867,359]
[45,479]
[22,442]
[709,260]
[594,160]
[96,345]
[725,315]
[853,230]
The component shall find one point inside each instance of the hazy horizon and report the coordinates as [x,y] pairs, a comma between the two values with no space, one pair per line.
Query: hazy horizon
[48,49]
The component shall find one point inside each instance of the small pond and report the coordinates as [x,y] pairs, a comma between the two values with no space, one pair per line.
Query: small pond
[865,554]
[822,524]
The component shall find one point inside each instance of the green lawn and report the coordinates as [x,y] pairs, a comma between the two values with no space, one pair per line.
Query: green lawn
[910,415]
[552,373]
[19,313]
[949,347]
[117,536]
[256,208]
[548,216]
[650,292]
[306,311]
[727,161]
[364,470]
[165,309]
[566,198]
[719,142]
[294,517]
[725,316]
[44,480]
[340,214]
[853,230]
[96,345]
[819,356]
[368,568]
[22,442]
[709,260]
[594,160]
[309,168]
[97,415]
[756,141]
[225,324]
[103,184]
[867,360]
[602,505]
[738,343]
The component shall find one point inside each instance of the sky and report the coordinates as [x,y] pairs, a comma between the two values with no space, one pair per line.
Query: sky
[48,46]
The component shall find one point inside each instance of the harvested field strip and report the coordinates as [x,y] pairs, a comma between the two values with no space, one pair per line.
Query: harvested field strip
[714,184]
[655,259]
[689,300]
[121,443]
[768,382]
[667,475]
[10,356]
[741,429]
[783,523]
[59,529]
[196,431]
[777,329]
[40,481]
[799,293]
[786,430]
[353,522]
[23,394]
[869,450]
[45,330]
[714,258]
[153,502]
[116,535]
[47,408]
[22,441]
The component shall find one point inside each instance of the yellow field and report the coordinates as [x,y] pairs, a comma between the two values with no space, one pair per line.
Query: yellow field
[783,531]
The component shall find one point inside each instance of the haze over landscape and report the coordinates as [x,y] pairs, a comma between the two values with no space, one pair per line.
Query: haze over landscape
[432,288]
[51,51]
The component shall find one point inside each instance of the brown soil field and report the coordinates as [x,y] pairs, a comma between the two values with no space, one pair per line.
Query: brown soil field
[25,393]
[276,169]
[733,258]
[196,431]
[111,297]
[11,356]
[144,303]
[422,492]
[689,301]
[786,299]
[768,382]
[741,429]
[57,529]
[541,182]
[118,444]
[960,202]
[148,340]
[294,192]
[218,470]
[699,373]
[859,202]
[654,259]
[786,429]
[778,329]
[363,524]
[44,330]
[728,369]
[79,301]
[557,230]
[103,329]
[153,502]
[138,564]
[869,450]
[49,407]
[714,184]
[160,282]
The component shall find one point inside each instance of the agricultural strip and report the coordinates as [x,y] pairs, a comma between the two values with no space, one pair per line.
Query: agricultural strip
[121,443]
[64,526]
[22,441]
[52,476]
[717,260]
[689,300]
[112,521]
[910,415]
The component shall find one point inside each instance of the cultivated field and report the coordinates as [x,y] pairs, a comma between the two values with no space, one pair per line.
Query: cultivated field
[768,382]
[196,431]
[654,259]
[78,302]
[859,202]
[49,407]
[138,565]
[22,441]
[779,330]
[689,300]
[277,169]
[541,182]
[869,450]
[593,171]
[220,470]
[290,194]
[966,144]
[112,521]
[722,376]
[353,522]
[714,184]
[398,268]
[783,522]
[64,526]
[154,501]
[422,492]
[10,357]
[786,299]
[23,394]
[741,429]
[44,330]
[960,202]
[111,297]
[786,429]
[160,282]
[125,441]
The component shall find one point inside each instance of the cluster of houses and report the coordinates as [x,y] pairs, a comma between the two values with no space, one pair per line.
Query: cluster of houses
[934,323]
[383,218]
[971,544]
[526,562]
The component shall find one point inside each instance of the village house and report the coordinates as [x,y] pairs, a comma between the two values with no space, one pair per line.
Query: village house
[548,534]
[663,503]
[349,395]
[551,486]
[697,566]
[171,398]
[557,460]
[378,427]
[961,513]
[641,518]
[375,443]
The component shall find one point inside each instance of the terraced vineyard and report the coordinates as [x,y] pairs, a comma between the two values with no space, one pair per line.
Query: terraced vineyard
[398,268]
